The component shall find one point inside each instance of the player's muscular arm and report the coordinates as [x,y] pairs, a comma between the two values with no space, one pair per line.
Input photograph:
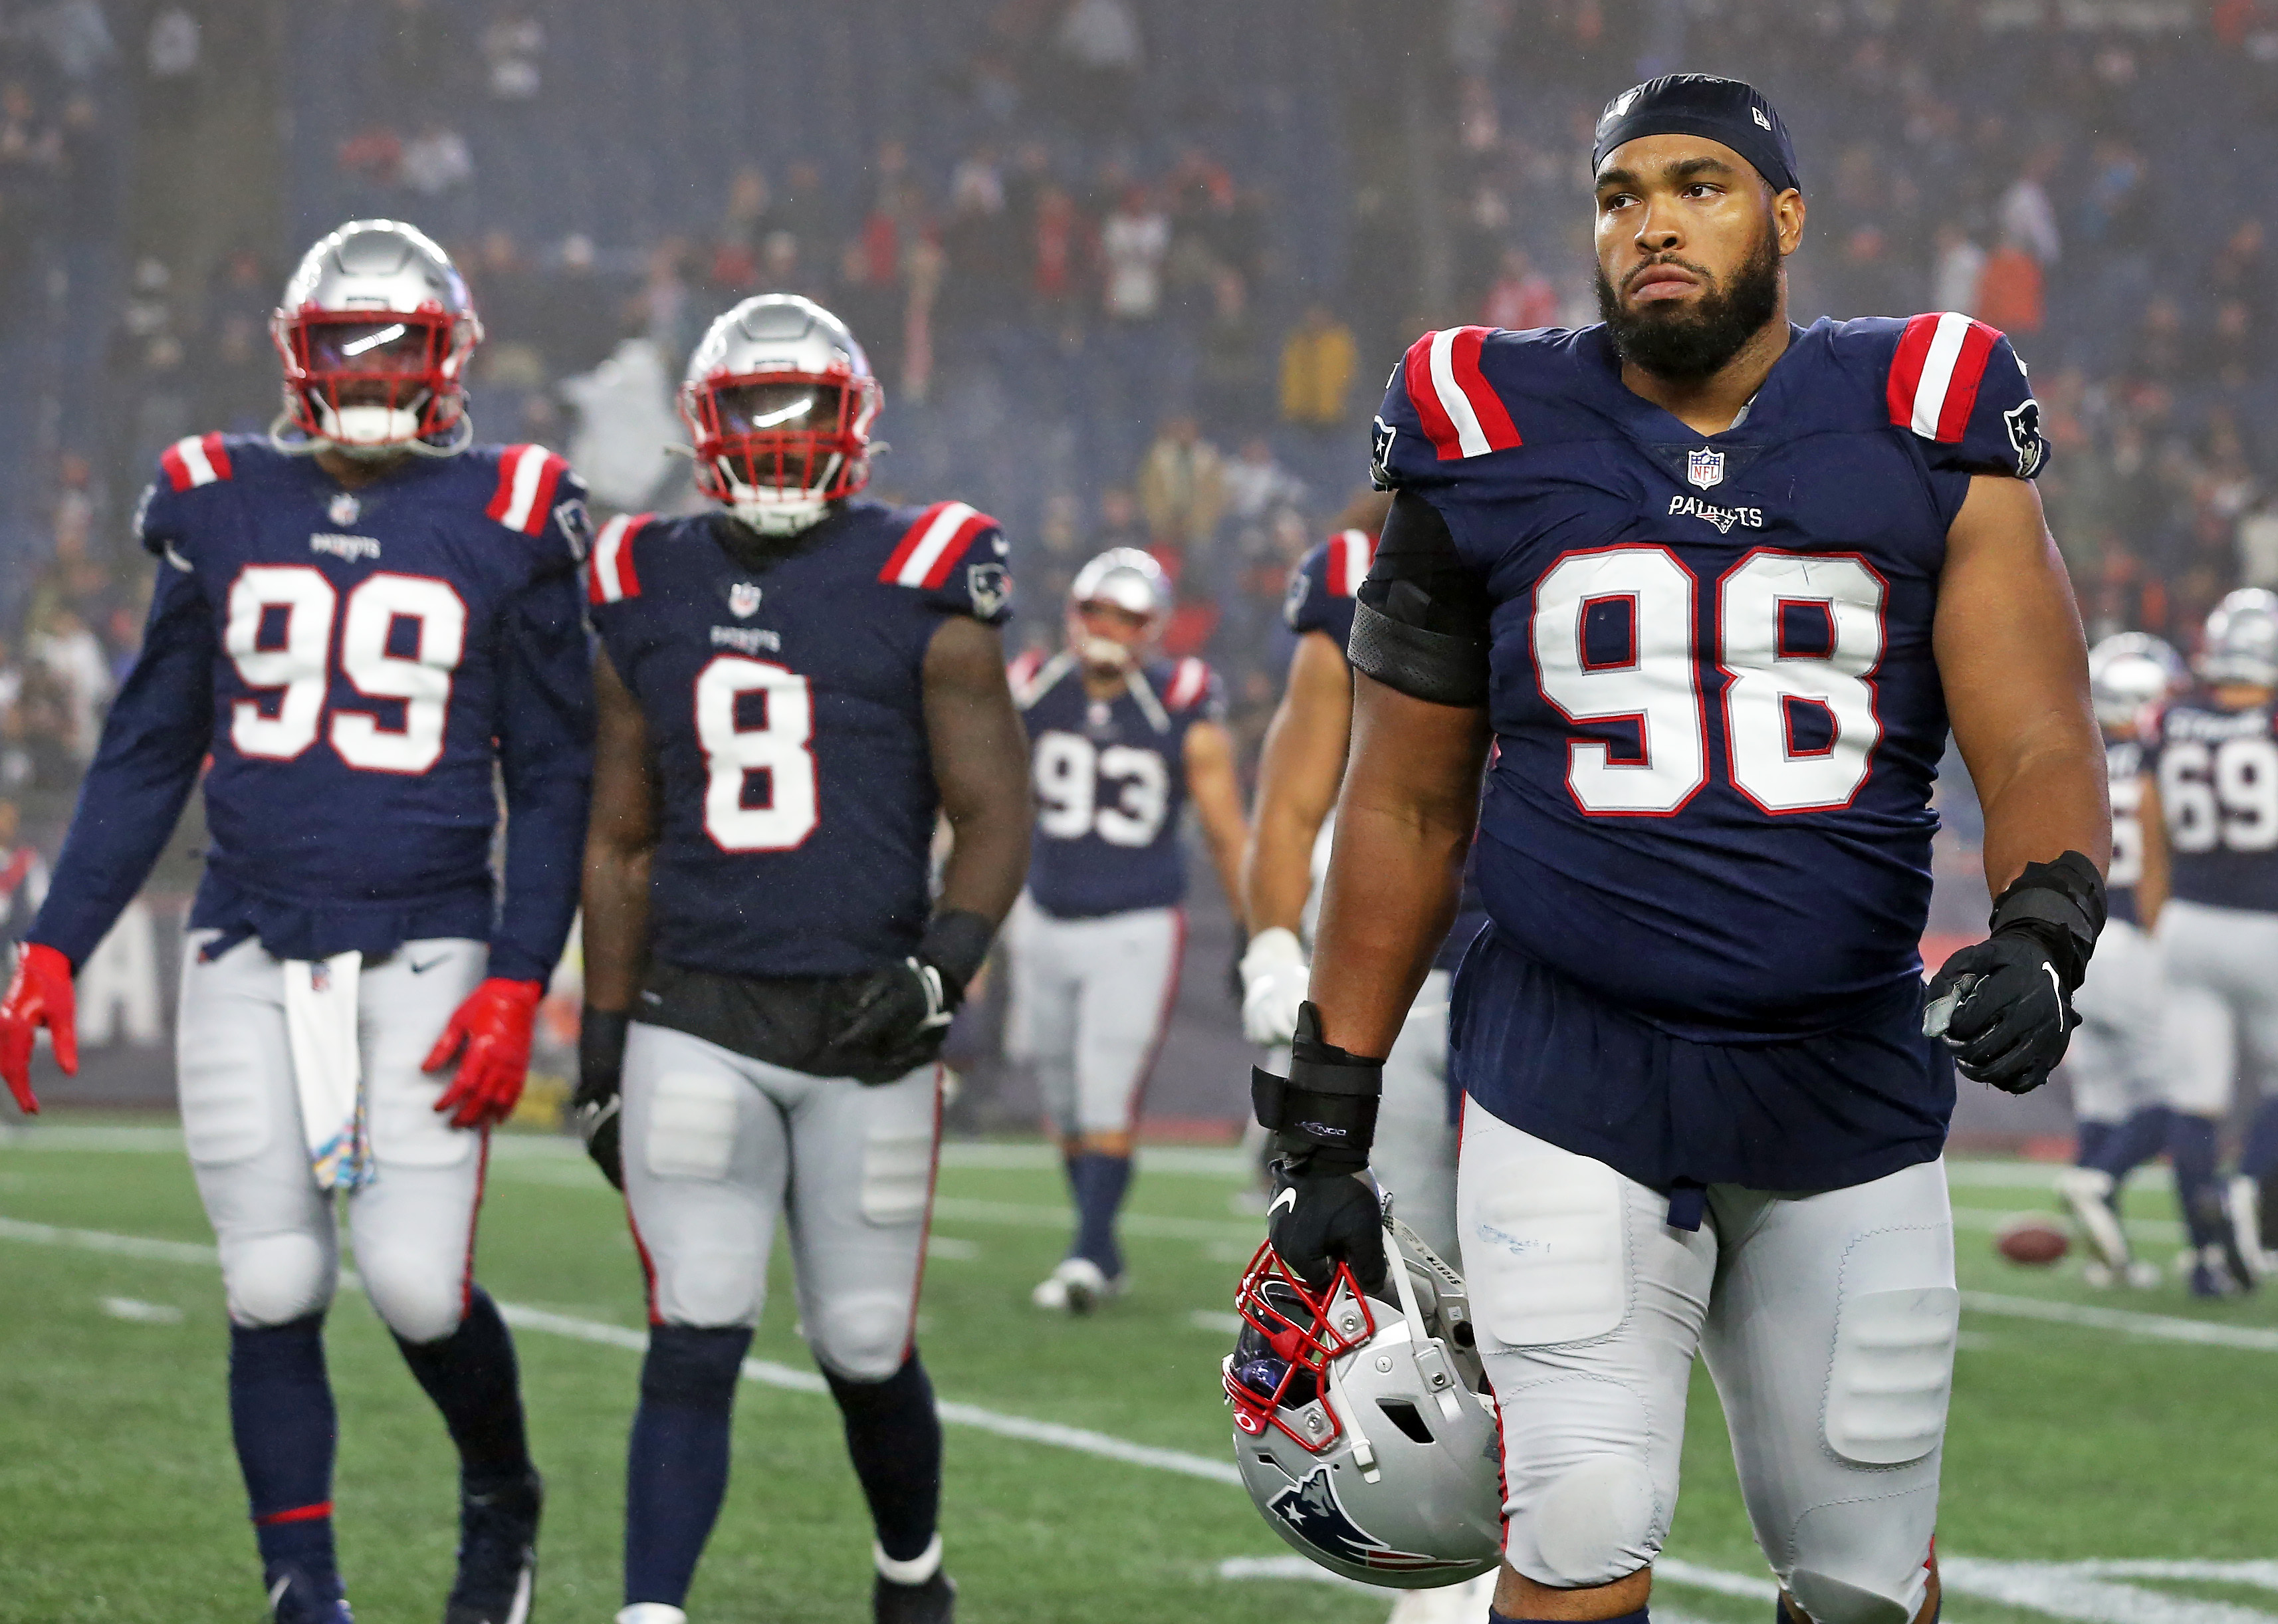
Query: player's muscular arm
[1405,824]
[2014,665]
[620,839]
[980,765]
[1297,776]
[1217,794]
[2151,887]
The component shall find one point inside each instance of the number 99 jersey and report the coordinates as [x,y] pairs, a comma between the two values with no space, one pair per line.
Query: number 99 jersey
[2217,771]
[782,684]
[1711,678]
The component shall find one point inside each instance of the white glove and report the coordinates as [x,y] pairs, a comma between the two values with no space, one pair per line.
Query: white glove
[1273,978]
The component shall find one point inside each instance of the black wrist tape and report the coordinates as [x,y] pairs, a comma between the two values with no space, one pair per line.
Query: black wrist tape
[1325,1110]
[602,1038]
[956,943]
[2060,905]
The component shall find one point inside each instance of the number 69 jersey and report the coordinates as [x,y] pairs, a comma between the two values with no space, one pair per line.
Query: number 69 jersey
[358,666]
[782,684]
[1711,677]
[2217,771]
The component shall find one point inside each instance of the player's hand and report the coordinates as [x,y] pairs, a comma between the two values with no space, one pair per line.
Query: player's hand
[899,1017]
[1273,979]
[2002,1008]
[41,995]
[597,1107]
[489,1036]
[1316,1221]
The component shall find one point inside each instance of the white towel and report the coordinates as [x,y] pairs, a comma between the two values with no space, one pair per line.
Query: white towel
[320,1027]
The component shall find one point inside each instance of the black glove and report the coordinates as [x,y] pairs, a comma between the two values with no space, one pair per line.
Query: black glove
[899,1017]
[2004,1007]
[595,1107]
[1324,1113]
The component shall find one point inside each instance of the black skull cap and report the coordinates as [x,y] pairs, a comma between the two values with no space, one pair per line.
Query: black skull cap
[1726,110]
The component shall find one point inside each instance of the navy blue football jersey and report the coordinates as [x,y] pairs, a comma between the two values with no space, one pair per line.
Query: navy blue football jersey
[1110,777]
[786,707]
[2123,770]
[1717,709]
[2217,771]
[1322,587]
[357,665]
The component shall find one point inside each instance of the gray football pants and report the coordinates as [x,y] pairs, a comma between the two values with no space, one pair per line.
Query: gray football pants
[718,1145]
[413,1226]
[2114,1067]
[1414,1155]
[2222,1002]
[1090,1000]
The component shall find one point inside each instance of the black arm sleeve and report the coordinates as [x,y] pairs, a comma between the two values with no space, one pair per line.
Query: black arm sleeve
[1421,625]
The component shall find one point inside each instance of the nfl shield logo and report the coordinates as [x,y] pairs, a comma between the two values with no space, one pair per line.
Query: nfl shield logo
[744,598]
[344,510]
[1705,467]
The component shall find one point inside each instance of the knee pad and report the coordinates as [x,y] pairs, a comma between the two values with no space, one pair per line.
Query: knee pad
[419,1300]
[1864,1561]
[693,1367]
[1830,1600]
[861,1337]
[1596,1522]
[276,1279]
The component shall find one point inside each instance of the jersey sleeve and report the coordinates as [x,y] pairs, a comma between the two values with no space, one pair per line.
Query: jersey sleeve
[612,581]
[1958,387]
[1327,580]
[153,741]
[1195,691]
[544,732]
[1439,413]
[955,556]
[163,515]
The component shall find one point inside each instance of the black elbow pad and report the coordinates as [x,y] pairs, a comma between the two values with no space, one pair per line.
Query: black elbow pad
[1421,625]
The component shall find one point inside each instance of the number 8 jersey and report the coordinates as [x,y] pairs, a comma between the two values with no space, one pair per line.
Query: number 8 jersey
[783,684]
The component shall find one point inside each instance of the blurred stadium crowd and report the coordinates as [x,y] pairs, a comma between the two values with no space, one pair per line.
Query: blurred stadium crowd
[1132,270]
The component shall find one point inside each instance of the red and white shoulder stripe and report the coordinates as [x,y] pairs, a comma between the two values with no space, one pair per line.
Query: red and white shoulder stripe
[1934,376]
[1461,414]
[527,478]
[199,460]
[1189,681]
[929,549]
[1350,554]
[609,574]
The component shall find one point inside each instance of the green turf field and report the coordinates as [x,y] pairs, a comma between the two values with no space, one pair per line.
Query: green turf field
[2112,1456]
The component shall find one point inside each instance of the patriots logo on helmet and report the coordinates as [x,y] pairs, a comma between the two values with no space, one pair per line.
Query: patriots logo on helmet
[2024,421]
[1314,1515]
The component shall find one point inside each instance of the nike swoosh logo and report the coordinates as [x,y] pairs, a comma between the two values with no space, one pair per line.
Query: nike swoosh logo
[421,969]
[1287,1197]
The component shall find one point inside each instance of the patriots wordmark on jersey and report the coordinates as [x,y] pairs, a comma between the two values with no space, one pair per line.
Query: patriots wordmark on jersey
[1111,782]
[783,687]
[355,664]
[2217,771]
[1717,726]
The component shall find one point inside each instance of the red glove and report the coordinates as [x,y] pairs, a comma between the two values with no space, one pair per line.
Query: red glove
[41,995]
[489,1036]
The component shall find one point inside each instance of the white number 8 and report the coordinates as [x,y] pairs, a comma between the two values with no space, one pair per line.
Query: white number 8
[777,747]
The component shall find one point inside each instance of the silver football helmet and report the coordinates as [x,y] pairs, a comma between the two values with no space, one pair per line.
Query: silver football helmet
[2129,671]
[1364,1429]
[1123,579]
[2241,639]
[779,401]
[375,329]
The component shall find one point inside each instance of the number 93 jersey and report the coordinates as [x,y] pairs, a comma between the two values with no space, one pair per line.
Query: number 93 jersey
[1110,777]
[1711,677]
[783,686]
[2217,771]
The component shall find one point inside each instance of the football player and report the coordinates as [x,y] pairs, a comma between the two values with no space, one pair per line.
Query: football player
[1714,585]
[2210,891]
[363,620]
[1298,771]
[2114,1067]
[1120,743]
[792,688]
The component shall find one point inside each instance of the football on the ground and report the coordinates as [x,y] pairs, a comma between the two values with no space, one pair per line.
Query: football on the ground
[2032,1239]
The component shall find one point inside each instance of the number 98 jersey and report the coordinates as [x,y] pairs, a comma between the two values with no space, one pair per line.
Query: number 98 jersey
[1111,781]
[2217,771]
[783,686]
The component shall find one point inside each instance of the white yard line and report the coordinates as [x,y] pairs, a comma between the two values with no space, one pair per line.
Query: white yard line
[2061,1589]
[2167,1328]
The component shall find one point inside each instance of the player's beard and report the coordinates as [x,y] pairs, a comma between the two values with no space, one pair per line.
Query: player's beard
[1672,342]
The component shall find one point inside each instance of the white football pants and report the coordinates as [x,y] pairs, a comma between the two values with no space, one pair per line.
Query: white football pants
[717,1146]
[1091,998]
[413,1226]
[2222,1001]
[1828,1319]
[1414,1155]
[2116,1063]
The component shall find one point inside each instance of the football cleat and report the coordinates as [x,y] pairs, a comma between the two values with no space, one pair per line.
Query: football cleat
[2240,1233]
[2210,1273]
[299,1595]
[498,1554]
[652,1612]
[1077,1286]
[934,1601]
[2087,1193]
